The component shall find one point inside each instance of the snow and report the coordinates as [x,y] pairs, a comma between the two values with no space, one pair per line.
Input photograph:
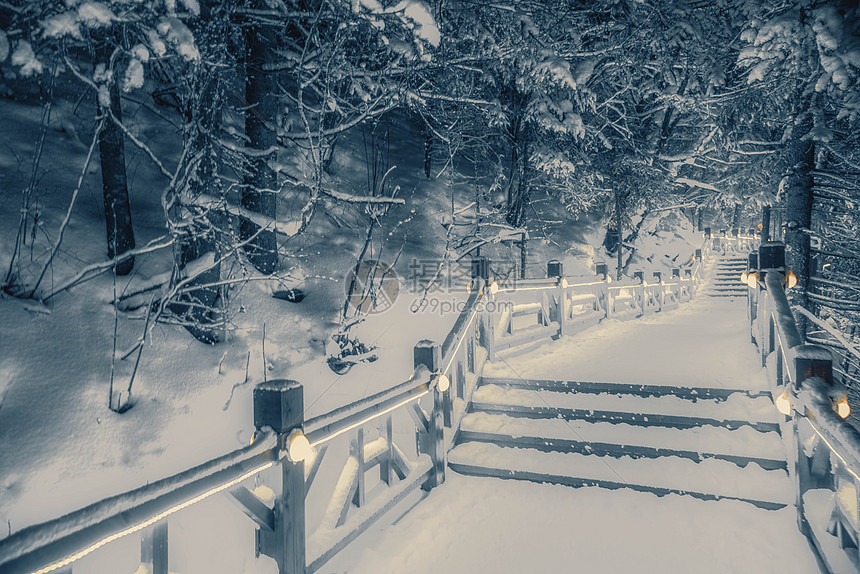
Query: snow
[177,34]
[472,524]
[744,441]
[818,504]
[25,58]
[710,476]
[736,407]
[133,76]
[95,14]
[4,46]
[424,24]
[615,352]
[157,45]
[192,6]
[64,24]
[63,448]
[508,527]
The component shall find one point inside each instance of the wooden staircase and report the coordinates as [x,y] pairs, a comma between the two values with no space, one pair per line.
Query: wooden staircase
[725,277]
[709,443]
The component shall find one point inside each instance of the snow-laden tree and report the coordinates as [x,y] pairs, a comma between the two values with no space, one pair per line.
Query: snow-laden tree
[805,59]
[107,46]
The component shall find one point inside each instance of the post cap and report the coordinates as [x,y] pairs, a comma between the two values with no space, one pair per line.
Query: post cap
[279,404]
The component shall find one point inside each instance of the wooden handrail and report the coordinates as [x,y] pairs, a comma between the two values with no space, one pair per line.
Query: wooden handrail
[54,544]
[84,530]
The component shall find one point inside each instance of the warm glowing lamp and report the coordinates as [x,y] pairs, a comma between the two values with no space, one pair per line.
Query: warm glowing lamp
[442,383]
[843,409]
[791,279]
[744,277]
[494,287]
[752,280]
[783,403]
[564,283]
[299,446]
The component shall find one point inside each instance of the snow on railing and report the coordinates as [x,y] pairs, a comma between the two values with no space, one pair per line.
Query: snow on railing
[54,545]
[297,447]
[489,323]
[846,355]
[824,446]
[519,317]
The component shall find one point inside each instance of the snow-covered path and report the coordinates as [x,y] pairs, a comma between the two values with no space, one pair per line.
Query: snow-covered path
[475,524]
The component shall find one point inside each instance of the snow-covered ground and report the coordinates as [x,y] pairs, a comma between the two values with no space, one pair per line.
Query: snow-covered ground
[61,448]
[702,343]
[482,524]
[472,525]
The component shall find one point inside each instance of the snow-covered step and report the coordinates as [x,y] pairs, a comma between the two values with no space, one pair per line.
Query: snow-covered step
[732,294]
[736,411]
[741,446]
[687,392]
[709,479]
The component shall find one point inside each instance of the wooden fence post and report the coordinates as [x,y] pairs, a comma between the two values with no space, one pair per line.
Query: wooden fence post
[658,275]
[676,278]
[602,271]
[153,547]
[428,354]
[640,289]
[610,303]
[481,270]
[752,294]
[554,269]
[279,405]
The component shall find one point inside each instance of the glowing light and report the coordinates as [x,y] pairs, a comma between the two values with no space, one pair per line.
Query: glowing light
[609,279]
[442,383]
[299,446]
[564,283]
[843,409]
[752,280]
[791,279]
[760,227]
[783,403]
[744,277]
[149,522]
[494,287]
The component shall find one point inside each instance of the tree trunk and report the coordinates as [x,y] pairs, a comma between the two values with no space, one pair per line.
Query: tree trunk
[518,189]
[120,233]
[198,308]
[619,234]
[428,151]
[798,214]
[736,217]
[261,183]
[765,224]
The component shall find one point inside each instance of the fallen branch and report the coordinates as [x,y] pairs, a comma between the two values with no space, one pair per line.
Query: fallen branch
[95,269]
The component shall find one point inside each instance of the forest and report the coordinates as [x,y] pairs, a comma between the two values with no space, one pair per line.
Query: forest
[741,114]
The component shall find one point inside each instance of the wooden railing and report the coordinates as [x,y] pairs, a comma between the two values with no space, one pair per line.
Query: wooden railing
[825,447]
[527,313]
[320,465]
[363,433]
